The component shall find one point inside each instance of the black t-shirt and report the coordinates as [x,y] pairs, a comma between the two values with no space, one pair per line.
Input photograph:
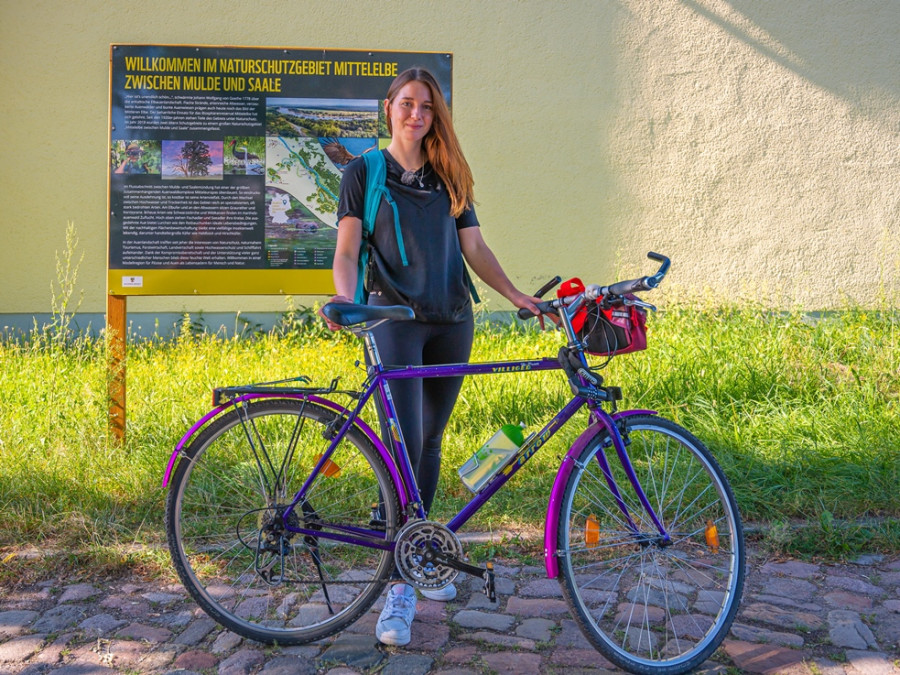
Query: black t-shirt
[434,282]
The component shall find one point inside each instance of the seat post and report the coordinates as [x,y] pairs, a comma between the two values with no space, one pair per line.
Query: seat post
[371,348]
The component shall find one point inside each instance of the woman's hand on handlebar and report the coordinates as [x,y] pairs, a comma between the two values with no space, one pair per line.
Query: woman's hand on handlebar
[523,301]
[334,298]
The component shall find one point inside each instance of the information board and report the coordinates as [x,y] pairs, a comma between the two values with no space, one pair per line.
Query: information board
[225,162]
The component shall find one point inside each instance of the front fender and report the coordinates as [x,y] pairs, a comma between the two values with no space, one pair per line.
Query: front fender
[554,505]
[215,412]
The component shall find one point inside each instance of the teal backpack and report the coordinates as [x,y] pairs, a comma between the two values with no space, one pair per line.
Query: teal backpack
[376,188]
[376,174]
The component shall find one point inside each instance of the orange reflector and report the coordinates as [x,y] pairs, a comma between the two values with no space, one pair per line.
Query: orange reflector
[329,468]
[591,531]
[712,536]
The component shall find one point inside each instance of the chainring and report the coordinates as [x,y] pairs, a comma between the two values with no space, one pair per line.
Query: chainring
[414,541]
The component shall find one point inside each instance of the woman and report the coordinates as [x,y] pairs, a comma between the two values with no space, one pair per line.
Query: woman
[431,183]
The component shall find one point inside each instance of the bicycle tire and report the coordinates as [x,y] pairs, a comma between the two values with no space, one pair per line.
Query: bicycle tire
[650,607]
[227,496]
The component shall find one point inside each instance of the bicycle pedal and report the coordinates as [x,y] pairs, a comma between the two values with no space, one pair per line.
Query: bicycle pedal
[488,589]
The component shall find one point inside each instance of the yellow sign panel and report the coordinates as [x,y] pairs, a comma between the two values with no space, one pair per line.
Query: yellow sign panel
[219,282]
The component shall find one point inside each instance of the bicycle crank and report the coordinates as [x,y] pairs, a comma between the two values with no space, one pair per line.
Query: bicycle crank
[429,555]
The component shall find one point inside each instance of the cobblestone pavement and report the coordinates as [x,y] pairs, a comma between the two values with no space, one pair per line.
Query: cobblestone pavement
[797,618]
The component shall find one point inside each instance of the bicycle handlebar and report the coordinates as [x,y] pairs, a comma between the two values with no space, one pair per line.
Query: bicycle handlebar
[593,292]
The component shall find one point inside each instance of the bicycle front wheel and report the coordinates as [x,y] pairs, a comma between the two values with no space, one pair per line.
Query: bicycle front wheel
[647,604]
[225,522]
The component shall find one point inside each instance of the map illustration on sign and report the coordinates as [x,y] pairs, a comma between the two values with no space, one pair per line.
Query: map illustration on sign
[310,141]
[308,144]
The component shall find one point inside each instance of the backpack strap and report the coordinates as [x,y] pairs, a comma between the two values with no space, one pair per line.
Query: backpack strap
[472,290]
[376,189]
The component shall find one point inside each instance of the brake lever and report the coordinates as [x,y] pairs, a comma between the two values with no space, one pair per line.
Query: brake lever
[638,303]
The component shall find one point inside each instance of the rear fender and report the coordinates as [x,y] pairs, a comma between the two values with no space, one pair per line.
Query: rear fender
[554,506]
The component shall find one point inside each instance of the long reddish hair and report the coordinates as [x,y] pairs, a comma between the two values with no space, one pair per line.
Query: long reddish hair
[441,146]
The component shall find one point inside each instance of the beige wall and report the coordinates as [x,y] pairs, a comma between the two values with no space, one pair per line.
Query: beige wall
[754,142]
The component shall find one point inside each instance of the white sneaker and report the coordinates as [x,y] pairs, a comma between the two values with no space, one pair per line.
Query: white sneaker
[445,594]
[395,622]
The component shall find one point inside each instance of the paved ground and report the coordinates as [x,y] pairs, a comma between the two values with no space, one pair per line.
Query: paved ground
[797,618]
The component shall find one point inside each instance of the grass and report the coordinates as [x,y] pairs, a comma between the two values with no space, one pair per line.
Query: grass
[803,414]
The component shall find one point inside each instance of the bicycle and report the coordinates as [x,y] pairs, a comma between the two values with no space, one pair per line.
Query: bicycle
[287,513]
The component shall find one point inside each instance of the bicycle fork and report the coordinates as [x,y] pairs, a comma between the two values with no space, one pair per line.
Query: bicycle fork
[603,421]
[617,440]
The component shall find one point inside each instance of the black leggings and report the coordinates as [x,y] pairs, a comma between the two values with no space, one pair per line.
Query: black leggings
[423,405]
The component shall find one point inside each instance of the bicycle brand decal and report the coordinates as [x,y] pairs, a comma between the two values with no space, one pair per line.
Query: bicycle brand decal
[394,430]
[514,369]
[529,449]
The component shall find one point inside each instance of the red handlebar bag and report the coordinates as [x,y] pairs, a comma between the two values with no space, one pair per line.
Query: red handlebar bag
[605,332]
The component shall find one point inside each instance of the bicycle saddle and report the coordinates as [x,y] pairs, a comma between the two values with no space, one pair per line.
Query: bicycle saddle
[347,314]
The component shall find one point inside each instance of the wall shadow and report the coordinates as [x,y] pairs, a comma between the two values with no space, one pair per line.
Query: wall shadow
[850,49]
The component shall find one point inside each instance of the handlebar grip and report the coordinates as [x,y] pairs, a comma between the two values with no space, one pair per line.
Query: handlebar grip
[631,286]
[546,287]
[545,307]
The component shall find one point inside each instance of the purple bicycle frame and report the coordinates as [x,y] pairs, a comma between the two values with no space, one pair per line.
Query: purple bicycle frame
[407,488]
[400,468]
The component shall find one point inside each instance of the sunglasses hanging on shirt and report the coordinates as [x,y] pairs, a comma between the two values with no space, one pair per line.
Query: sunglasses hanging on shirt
[409,177]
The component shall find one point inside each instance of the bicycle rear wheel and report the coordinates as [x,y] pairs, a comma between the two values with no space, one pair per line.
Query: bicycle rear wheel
[651,606]
[224,522]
